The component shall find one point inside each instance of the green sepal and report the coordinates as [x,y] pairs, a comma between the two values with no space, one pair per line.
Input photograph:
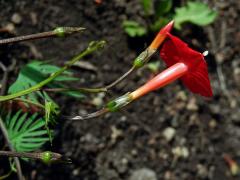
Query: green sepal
[143,58]
[119,102]
[46,157]
[60,31]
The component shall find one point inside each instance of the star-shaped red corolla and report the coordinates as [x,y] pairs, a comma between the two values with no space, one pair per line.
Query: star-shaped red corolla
[184,63]
[196,79]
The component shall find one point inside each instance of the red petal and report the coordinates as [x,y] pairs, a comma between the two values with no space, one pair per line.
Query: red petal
[173,51]
[198,81]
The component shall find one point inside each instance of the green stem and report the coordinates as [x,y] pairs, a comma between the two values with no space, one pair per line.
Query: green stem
[91,115]
[140,61]
[5,134]
[111,106]
[92,47]
[82,90]
[30,102]
[120,79]
[6,175]
[57,32]
[46,157]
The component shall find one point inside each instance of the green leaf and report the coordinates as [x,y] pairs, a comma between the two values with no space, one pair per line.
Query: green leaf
[134,29]
[163,7]
[35,72]
[26,133]
[51,112]
[194,12]
[147,6]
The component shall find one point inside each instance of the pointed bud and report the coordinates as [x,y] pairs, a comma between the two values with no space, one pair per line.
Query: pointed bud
[63,31]
[49,157]
[161,36]
[119,102]
[46,157]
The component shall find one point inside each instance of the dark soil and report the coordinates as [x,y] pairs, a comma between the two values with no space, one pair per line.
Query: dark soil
[115,146]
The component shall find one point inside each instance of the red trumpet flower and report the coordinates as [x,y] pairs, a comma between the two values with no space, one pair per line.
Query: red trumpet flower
[182,62]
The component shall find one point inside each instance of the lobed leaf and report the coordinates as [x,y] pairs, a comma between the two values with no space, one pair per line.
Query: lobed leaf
[147,6]
[134,29]
[26,133]
[194,12]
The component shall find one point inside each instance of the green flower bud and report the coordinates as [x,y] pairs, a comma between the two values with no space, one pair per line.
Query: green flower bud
[119,102]
[143,58]
[46,157]
[60,31]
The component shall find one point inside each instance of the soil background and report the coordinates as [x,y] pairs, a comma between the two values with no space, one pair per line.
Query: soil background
[131,144]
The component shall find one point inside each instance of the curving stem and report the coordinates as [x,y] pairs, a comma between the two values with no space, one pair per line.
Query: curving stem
[57,32]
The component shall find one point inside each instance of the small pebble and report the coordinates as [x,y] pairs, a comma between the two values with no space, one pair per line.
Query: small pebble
[10,27]
[212,123]
[98,100]
[16,18]
[202,171]
[169,133]
[115,133]
[180,152]
[134,152]
[192,105]
[181,95]
[143,174]
[75,172]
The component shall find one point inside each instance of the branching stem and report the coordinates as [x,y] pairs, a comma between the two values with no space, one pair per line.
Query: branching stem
[2,125]
[91,115]
[18,165]
[43,156]
[58,32]
[120,79]
[93,47]
[82,90]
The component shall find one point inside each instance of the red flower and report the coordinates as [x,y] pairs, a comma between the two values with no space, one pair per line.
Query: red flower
[196,79]
[184,63]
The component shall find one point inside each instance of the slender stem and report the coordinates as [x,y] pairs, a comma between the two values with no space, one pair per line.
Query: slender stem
[4,79]
[82,90]
[6,175]
[144,58]
[29,102]
[169,75]
[58,32]
[5,134]
[20,154]
[139,62]
[125,75]
[51,156]
[2,125]
[91,115]
[93,47]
